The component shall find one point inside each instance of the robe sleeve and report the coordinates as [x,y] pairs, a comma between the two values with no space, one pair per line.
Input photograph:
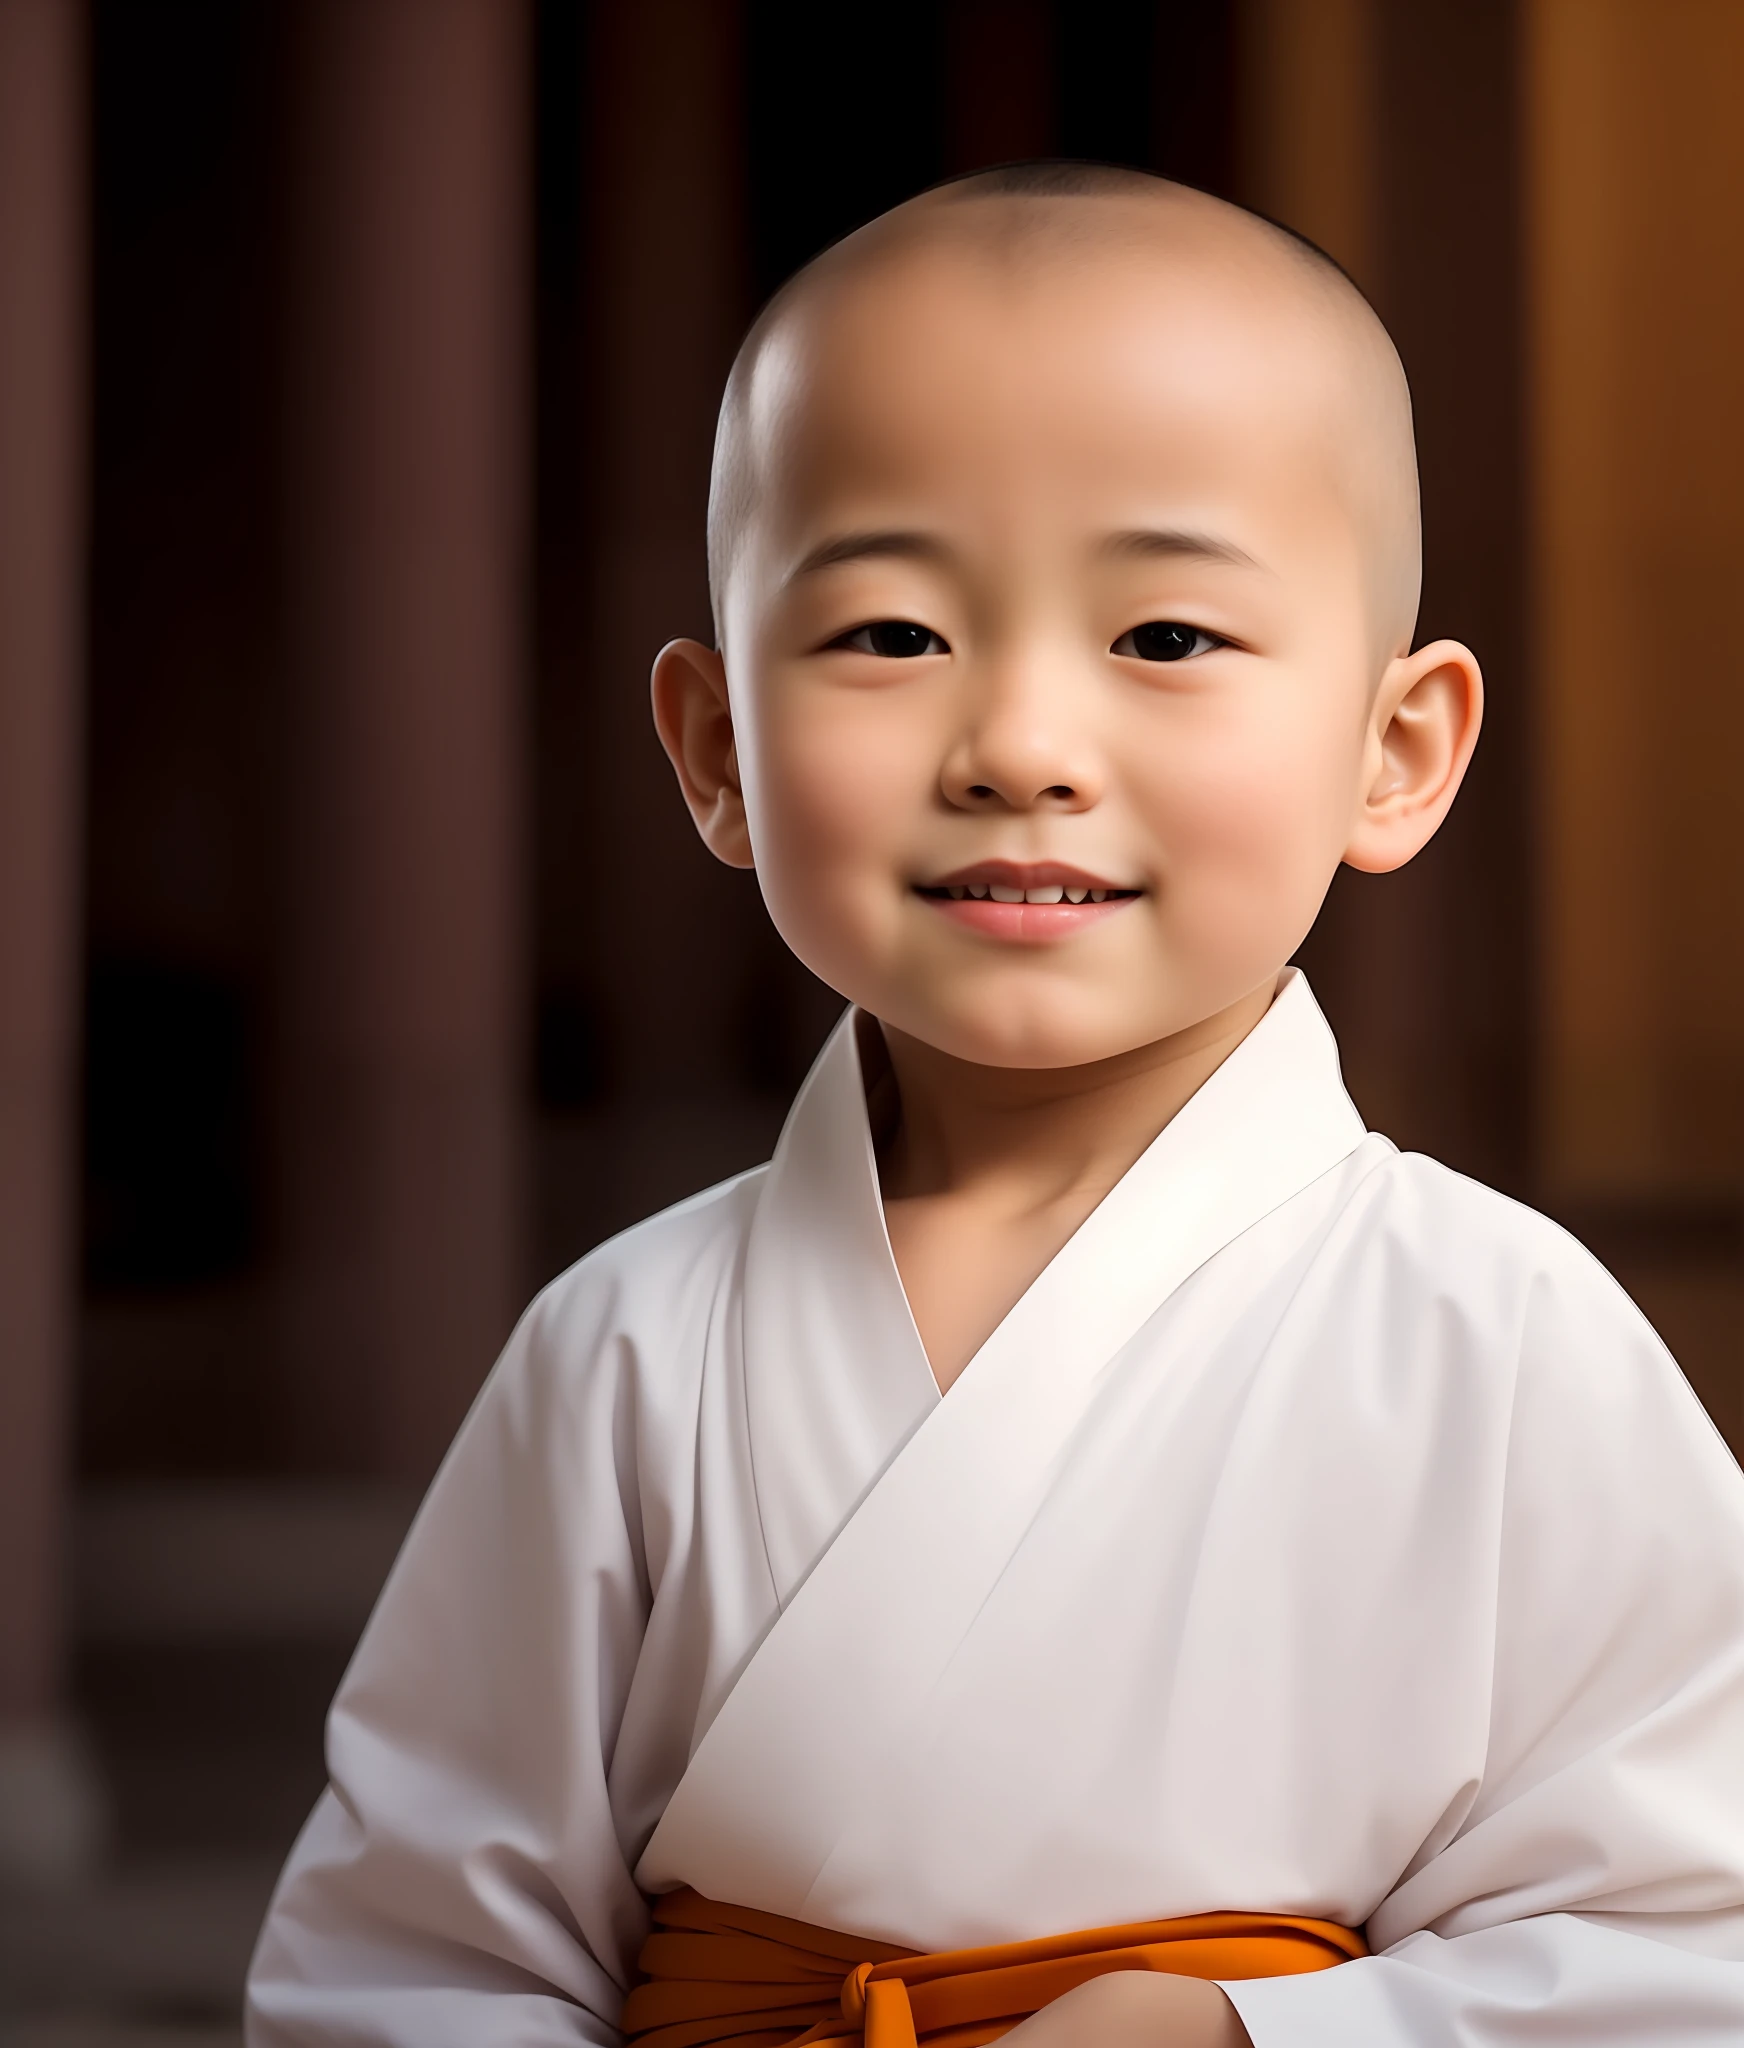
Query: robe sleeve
[1590,1889]
[466,1877]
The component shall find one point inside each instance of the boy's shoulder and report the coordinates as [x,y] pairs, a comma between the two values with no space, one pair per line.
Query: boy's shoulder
[598,1393]
[619,1342]
[670,1264]
[1446,1216]
[1493,1266]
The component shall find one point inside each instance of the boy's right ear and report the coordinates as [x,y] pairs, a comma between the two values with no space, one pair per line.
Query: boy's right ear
[695,724]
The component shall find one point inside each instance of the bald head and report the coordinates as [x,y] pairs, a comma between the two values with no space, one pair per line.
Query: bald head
[1273,301]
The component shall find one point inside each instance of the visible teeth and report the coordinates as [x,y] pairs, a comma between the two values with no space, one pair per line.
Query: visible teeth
[1002,892]
[1048,895]
[1076,895]
[958,892]
[979,891]
[1098,895]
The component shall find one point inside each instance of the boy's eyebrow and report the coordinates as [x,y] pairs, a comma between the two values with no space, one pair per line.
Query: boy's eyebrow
[906,545]
[1176,541]
[860,547]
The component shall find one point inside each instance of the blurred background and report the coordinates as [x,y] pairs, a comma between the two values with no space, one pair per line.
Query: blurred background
[359,968]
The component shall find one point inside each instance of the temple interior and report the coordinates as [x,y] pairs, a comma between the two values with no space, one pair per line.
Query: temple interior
[359,967]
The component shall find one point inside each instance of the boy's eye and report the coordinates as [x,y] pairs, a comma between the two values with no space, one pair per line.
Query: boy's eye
[1164,640]
[895,639]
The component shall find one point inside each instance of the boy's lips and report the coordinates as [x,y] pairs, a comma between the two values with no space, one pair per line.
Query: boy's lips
[1031,902]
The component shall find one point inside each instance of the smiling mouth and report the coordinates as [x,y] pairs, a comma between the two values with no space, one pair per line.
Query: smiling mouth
[1005,892]
[1043,883]
[1024,905]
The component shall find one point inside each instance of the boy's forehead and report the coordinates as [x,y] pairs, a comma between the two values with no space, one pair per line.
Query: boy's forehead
[1121,340]
[936,357]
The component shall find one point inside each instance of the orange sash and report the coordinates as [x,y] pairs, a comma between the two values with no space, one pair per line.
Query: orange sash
[728,1974]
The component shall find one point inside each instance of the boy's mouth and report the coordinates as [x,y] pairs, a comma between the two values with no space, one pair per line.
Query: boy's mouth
[1030,902]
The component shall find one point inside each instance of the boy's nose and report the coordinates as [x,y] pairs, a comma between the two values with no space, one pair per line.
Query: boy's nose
[1011,793]
[1015,758]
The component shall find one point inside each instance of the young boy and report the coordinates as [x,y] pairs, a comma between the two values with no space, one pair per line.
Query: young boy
[1083,1482]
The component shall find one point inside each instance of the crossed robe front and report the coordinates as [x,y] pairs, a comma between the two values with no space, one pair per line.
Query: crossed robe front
[1322,1534]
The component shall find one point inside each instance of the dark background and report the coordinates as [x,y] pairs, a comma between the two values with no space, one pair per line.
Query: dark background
[841,111]
[233,1495]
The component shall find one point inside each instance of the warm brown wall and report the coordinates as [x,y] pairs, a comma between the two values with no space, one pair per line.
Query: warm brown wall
[1636,217]
[1309,137]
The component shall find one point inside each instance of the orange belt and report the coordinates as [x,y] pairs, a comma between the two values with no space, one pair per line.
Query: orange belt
[730,1974]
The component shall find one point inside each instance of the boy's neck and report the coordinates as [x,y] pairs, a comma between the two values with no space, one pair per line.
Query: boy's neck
[1032,1137]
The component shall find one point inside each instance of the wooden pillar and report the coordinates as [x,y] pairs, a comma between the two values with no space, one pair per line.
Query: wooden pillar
[1637,333]
[401,1024]
[46,1816]
[670,942]
[1310,128]
[1389,135]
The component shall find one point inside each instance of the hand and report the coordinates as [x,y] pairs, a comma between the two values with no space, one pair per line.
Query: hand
[1135,2009]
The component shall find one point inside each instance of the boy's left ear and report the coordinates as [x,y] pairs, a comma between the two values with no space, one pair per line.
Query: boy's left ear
[695,723]
[1422,729]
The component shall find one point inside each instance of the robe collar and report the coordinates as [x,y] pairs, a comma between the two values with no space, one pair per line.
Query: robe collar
[837,1378]
[888,1512]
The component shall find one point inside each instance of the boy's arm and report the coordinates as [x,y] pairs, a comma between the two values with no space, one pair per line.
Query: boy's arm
[1591,1888]
[463,1880]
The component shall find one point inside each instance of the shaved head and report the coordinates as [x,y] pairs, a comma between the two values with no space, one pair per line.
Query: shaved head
[1273,300]
[1064,545]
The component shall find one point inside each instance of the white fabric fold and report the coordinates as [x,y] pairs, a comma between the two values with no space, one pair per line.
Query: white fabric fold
[1321,1533]
[845,1671]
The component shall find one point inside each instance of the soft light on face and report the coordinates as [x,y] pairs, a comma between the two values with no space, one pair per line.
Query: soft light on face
[1051,590]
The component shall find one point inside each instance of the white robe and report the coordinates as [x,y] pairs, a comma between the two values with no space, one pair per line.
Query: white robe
[1322,1533]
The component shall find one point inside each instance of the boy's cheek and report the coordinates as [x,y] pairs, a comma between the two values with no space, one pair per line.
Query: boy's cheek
[1243,867]
[837,790]
[1247,904]
[827,835]
[829,867]
[846,932]
[1266,802]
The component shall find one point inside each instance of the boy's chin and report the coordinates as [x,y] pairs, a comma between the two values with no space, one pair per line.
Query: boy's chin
[994,1030]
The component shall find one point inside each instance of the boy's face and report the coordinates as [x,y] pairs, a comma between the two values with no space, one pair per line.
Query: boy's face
[1053,585]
